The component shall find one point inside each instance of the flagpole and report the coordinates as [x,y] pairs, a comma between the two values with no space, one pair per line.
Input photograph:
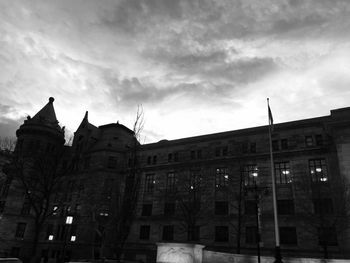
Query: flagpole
[278,257]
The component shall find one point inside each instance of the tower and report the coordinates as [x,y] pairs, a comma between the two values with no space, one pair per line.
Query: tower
[40,134]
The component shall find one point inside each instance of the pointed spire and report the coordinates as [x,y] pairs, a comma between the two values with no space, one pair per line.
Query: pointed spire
[86,116]
[85,121]
[47,113]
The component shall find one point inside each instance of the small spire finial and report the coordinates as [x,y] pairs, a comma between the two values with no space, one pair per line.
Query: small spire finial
[86,115]
[51,99]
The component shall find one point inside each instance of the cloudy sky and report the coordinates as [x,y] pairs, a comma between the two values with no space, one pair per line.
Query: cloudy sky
[196,66]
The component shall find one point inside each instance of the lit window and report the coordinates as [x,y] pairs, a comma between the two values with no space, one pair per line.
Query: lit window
[250,173]
[50,237]
[318,170]
[195,180]
[221,177]
[282,173]
[171,182]
[309,141]
[149,183]
[73,238]
[69,220]
[54,210]
[104,214]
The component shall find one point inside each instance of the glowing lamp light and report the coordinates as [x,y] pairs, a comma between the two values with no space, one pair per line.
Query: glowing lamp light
[323,179]
[255,174]
[73,238]
[318,170]
[50,237]
[226,176]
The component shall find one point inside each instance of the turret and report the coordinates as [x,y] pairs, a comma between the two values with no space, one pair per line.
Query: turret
[41,133]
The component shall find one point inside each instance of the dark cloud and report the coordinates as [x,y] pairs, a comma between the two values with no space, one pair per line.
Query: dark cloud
[284,25]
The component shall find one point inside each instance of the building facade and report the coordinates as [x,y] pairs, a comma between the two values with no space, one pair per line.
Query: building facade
[213,189]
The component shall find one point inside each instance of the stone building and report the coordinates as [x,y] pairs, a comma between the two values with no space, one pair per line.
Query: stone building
[213,189]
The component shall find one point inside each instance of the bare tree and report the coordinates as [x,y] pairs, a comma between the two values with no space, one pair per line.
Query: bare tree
[7,143]
[40,178]
[324,203]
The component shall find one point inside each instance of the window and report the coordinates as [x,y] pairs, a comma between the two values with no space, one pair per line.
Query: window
[155,159]
[195,180]
[112,162]
[250,207]
[193,233]
[309,141]
[2,206]
[169,209]
[282,173]
[244,147]
[21,228]
[221,233]
[171,182]
[168,233]
[170,157]
[327,236]
[319,140]
[36,146]
[55,210]
[25,207]
[149,183]
[250,173]
[221,151]
[145,232]
[285,207]
[217,151]
[176,157]
[221,177]
[284,144]
[323,206]
[146,210]
[49,148]
[288,235]
[199,154]
[251,234]
[31,146]
[224,151]
[318,170]
[149,159]
[193,155]
[221,208]
[275,145]
[253,147]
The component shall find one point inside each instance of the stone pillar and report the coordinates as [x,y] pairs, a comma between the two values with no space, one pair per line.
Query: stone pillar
[179,253]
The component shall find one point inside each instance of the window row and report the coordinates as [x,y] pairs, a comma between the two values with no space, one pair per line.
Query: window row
[245,147]
[288,235]
[322,206]
[283,175]
[35,146]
